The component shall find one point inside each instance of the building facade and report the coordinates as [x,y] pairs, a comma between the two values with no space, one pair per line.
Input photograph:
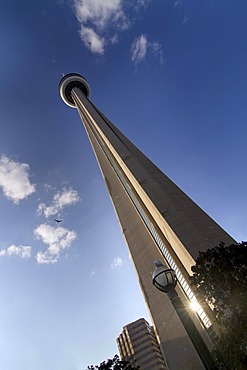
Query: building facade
[138,345]
[158,220]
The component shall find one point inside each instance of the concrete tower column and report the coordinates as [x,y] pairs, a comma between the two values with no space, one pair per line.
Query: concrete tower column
[158,220]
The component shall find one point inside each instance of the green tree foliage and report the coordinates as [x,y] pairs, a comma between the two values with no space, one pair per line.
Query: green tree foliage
[113,364]
[220,276]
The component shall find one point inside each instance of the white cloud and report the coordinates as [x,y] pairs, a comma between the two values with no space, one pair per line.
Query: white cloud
[56,238]
[14,179]
[61,199]
[20,251]
[99,20]
[99,13]
[140,47]
[117,262]
[92,41]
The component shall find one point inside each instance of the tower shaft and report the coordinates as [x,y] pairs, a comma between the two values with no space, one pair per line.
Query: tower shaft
[159,221]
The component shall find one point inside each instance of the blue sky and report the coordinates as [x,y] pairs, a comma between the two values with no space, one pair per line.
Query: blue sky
[172,76]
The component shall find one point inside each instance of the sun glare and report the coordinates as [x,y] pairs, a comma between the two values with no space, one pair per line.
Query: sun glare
[195,306]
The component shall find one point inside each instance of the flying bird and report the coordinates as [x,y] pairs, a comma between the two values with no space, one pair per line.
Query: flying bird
[58,221]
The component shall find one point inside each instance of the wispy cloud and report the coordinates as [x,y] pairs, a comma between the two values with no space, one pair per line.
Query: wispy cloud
[140,47]
[177,3]
[49,187]
[185,19]
[141,3]
[14,179]
[61,199]
[100,13]
[93,41]
[117,263]
[20,251]
[56,239]
[96,18]
[101,22]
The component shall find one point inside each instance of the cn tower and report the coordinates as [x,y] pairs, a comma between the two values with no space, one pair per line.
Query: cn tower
[158,220]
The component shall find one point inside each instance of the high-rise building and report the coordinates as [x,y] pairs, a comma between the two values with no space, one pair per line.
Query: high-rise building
[158,220]
[138,345]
